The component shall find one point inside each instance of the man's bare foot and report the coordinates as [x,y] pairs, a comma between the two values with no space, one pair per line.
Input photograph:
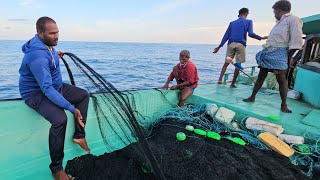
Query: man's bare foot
[233,86]
[83,143]
[61,175]
[250,99]
[219,82]
[284,108]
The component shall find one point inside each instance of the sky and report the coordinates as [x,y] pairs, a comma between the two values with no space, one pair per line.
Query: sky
[152,21]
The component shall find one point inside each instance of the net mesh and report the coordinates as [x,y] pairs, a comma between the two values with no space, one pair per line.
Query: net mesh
[147,148]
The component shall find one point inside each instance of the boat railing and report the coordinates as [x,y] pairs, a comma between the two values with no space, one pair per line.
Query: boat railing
[226,75]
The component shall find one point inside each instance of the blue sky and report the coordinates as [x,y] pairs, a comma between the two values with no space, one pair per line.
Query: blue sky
[172,21]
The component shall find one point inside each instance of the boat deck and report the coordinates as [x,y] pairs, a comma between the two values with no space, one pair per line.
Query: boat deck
[24,152]
[267,103]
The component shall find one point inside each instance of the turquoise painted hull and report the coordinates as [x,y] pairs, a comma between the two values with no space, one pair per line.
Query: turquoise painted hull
[24,150]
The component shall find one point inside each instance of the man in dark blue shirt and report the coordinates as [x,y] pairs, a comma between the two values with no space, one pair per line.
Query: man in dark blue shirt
[236,35]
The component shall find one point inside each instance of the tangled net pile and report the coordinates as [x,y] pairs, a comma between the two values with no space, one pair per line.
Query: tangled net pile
[153,152]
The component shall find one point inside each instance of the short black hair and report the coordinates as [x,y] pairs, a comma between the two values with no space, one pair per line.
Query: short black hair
[41,22]
[283,5]
[243,11]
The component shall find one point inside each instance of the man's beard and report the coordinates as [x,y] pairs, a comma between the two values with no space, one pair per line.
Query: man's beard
[48,42]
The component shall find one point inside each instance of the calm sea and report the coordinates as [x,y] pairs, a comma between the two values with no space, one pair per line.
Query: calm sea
[128,66]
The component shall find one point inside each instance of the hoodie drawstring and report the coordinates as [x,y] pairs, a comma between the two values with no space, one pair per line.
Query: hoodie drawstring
[53,61]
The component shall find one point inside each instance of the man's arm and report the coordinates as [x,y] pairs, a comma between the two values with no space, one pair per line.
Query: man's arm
[185,83]
[252,34]
[40,69]
[290,59]
[170,78]
[224,39]
[295,40]
[191,77]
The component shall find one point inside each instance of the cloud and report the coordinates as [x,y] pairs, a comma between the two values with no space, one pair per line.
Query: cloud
[167,7]
[142,26]
[18,20]
[25,3]
[132,22]
[118,31]
[31,4]
[212,34]
[197,29]
[16,29]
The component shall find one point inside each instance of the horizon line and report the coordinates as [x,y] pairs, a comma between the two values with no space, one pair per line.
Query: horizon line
[92,41]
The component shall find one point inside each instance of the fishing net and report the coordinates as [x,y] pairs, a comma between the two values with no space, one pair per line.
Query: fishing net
[152,150]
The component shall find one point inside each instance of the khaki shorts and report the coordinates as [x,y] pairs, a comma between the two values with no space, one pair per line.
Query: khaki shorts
[237,50]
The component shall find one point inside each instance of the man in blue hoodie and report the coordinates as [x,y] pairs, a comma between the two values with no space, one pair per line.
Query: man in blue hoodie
[41,87]
[236,35]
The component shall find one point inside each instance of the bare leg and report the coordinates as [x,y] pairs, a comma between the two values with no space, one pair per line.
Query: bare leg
[283,88]
[235,75]
[185,93]
[261,77]
[223,70]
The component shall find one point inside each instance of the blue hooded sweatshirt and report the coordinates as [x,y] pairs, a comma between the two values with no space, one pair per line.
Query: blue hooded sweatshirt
[40,71]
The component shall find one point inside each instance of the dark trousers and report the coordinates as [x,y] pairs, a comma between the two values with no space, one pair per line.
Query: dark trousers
[58,119]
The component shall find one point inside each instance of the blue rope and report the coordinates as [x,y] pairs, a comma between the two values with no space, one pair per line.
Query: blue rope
[197,117]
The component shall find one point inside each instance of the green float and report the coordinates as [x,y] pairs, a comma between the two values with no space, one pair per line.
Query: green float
[274,118]
[237,140]
[181,136]
[213,135]
[200,132]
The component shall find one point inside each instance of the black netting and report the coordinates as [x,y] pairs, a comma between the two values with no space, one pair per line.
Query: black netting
[155,153]
[195,158]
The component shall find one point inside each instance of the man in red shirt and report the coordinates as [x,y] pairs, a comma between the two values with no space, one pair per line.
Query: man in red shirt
[186,75]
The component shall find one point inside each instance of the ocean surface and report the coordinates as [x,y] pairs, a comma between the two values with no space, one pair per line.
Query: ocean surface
[128,66]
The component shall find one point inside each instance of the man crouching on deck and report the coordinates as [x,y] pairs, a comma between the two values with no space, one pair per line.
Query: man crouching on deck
[186,76]
[284,39]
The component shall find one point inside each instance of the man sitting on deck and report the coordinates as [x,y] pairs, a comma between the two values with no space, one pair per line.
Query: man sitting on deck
[42,89]
[284,39]
[186,76]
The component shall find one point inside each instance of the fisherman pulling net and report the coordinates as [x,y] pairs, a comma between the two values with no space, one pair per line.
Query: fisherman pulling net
[177,145]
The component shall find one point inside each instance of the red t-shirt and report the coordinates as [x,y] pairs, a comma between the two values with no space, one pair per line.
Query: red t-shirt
[188,73]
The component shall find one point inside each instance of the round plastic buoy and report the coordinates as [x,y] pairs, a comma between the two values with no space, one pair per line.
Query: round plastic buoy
[200,132]
[274,118]
[213,135]
[181,136]
[189,128]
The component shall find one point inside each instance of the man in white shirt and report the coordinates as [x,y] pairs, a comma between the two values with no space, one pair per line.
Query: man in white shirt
[284,39]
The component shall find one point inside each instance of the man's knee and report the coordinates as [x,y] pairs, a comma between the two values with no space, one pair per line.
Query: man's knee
[60,119]
[263,73]
[185,94]
[85,94]
[281,78]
